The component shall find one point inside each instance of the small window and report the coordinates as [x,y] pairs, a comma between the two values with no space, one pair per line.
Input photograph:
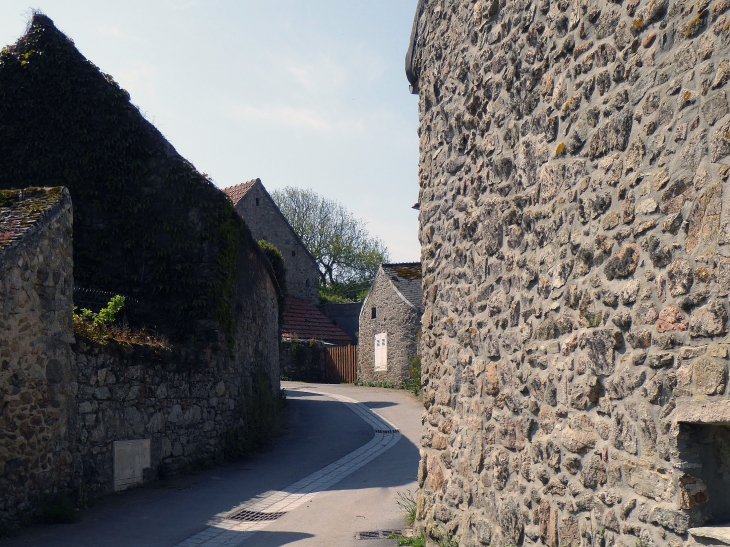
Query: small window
[257,202]
[372,313]
[294,253]
[306,282]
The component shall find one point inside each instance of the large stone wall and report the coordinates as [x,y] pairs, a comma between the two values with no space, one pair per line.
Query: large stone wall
[267,222]
[185,402]
[65,400]
[574,227]
[36,377]
[399,320]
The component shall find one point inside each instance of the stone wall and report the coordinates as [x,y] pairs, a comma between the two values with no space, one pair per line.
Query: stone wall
[399,320]
[36,379]
[184,402]
[574,227]
[267,222]
[64,401]
[302,361]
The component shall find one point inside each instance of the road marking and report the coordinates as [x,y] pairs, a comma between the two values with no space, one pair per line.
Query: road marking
[225,531]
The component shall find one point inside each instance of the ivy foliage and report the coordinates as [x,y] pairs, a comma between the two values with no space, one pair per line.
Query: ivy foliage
[277,264]
[146,223]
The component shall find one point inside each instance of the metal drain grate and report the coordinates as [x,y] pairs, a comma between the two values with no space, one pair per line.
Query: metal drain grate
[379,534]
[255,516]
[386,431]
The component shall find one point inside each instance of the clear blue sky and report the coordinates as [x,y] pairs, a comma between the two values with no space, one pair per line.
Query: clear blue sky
[305,93]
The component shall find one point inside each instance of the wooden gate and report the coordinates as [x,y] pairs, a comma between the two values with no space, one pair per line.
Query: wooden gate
[340,364]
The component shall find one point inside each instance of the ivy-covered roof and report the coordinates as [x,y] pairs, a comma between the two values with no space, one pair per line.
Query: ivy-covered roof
[147,224]
[21,210]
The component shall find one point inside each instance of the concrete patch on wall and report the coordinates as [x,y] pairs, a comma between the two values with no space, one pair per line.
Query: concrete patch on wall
[130,459]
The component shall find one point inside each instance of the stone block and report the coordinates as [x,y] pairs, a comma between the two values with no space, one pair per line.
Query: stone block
[710,376]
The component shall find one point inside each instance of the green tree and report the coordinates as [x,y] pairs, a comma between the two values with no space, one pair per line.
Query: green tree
[347,255]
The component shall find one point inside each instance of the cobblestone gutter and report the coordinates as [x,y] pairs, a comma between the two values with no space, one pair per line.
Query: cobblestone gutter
[574,225]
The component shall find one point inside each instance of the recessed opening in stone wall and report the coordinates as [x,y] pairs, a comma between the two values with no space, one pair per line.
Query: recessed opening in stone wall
[704,450]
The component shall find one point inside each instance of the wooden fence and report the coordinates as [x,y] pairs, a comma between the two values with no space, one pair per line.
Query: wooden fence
[340,364]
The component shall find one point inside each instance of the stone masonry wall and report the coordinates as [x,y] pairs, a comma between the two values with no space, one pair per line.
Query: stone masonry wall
[574,224]
[266,222]
[399,320]
[185,400]
[36,383]
[65,400]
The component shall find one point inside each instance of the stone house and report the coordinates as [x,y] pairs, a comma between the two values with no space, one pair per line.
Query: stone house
[390,324]
[266,221]
[575,231]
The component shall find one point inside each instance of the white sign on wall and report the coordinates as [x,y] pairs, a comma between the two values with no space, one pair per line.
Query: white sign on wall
[381,351]
[130,458]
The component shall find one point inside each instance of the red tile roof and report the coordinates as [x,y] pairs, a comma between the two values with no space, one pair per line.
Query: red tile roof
[239,190]
[304,321]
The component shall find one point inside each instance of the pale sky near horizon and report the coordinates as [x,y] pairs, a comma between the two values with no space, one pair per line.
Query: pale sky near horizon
[310,94]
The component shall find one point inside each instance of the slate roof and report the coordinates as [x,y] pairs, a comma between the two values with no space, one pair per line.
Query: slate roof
[22,210]
[239,190]
[304,321]
[406,277]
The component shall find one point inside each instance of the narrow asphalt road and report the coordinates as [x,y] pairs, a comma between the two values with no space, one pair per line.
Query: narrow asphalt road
[320,430]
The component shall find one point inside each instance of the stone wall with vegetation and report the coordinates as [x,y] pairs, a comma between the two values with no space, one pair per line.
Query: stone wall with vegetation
[65,399]
[400,321]
[574,224]
[195,407]
[37,385]
[302,360]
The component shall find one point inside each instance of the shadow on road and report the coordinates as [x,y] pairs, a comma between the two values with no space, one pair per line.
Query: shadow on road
[378,404]
[276,539]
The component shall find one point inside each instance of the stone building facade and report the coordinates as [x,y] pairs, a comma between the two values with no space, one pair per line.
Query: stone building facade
[266,221]
[36,374]
[574,222]
[390,323]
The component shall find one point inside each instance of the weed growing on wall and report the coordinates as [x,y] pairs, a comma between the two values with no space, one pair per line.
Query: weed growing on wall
[99,327]
[407,503]
[413,382]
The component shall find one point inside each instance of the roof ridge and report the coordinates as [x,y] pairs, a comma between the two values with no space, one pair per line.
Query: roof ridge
[237,191]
